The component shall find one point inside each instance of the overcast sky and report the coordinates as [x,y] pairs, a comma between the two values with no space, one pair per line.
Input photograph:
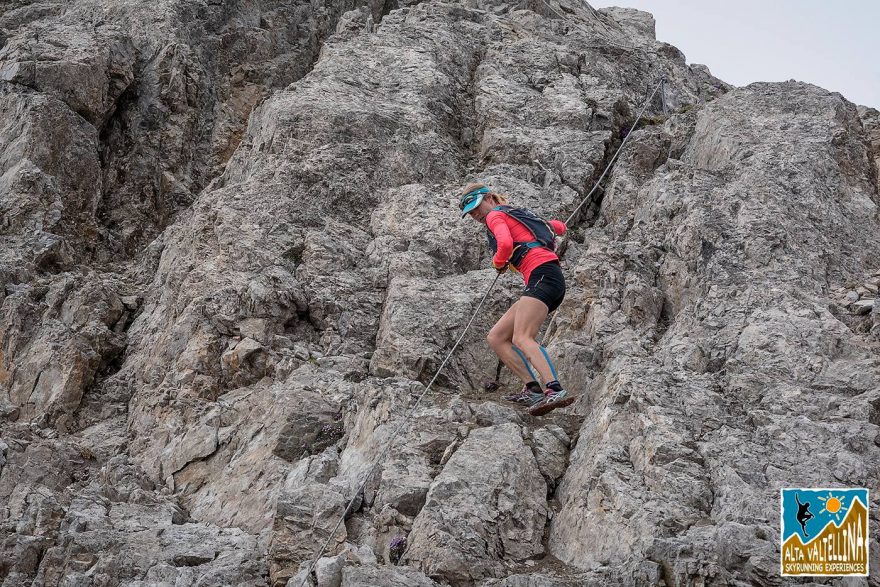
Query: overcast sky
[833,44]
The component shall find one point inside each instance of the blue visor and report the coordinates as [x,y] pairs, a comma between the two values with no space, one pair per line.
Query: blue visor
[471,200]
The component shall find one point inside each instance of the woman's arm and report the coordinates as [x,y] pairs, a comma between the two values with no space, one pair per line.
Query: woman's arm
[496,223]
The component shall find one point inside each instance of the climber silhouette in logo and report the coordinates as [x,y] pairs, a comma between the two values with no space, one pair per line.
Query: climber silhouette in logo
[803,514]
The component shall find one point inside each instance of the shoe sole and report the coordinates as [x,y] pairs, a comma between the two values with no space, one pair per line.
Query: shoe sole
[520,404]
[542,409]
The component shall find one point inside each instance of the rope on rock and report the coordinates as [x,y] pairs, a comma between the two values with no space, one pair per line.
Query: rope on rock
[619,149]
[409,415]
[660,84]
[663,96]
[394,435]
[412,410]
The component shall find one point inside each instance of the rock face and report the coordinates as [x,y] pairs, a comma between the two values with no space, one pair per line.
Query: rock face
[871,121]
[719,411]
[231,261]
[488,505]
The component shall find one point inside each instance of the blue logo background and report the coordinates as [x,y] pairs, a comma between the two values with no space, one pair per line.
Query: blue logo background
[817,499]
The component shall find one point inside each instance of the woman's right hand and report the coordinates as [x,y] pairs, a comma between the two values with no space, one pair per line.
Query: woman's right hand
[500,267]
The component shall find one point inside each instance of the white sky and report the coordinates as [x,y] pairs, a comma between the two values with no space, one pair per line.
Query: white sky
[835,45]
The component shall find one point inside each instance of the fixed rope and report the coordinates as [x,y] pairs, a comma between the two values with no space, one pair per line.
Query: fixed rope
[406,419]
[394,435]
[660,84]
[408,416]
[619,149]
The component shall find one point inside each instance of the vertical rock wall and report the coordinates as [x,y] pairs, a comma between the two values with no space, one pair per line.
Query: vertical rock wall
[232,259]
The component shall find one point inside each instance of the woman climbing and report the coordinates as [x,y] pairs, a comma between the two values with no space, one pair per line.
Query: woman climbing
[523,241]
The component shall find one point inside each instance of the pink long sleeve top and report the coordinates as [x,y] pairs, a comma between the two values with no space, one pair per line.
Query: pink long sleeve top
[507,230]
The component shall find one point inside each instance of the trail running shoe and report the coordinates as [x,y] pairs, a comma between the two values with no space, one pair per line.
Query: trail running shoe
[524,397]
[551,401]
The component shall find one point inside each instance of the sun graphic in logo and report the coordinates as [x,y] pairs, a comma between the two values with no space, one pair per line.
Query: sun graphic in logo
[833,505]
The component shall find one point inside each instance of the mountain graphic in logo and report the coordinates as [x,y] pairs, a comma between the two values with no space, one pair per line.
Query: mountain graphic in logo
[824,532]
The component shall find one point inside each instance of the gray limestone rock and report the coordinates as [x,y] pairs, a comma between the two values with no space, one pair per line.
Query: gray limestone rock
[116,528]
[550,446]
[407,341]
[492,413]
[403,478]
[231,259]
[486,507]
[538,580]
[698,412]
[328,570]
[59,354]
[370,576]
[305,519]
[871,121]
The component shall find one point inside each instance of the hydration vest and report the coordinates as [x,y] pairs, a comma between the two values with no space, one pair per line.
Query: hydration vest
[544,234]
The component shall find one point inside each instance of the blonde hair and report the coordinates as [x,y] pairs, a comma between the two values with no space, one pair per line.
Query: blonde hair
[500,199]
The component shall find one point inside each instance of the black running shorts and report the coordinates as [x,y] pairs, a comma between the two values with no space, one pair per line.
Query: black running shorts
[547,284]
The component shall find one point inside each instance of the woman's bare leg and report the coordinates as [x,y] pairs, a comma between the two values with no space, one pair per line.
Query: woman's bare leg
[500,339]
[530,314]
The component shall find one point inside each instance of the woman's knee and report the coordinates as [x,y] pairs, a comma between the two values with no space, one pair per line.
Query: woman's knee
[496,339]
[523,341]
